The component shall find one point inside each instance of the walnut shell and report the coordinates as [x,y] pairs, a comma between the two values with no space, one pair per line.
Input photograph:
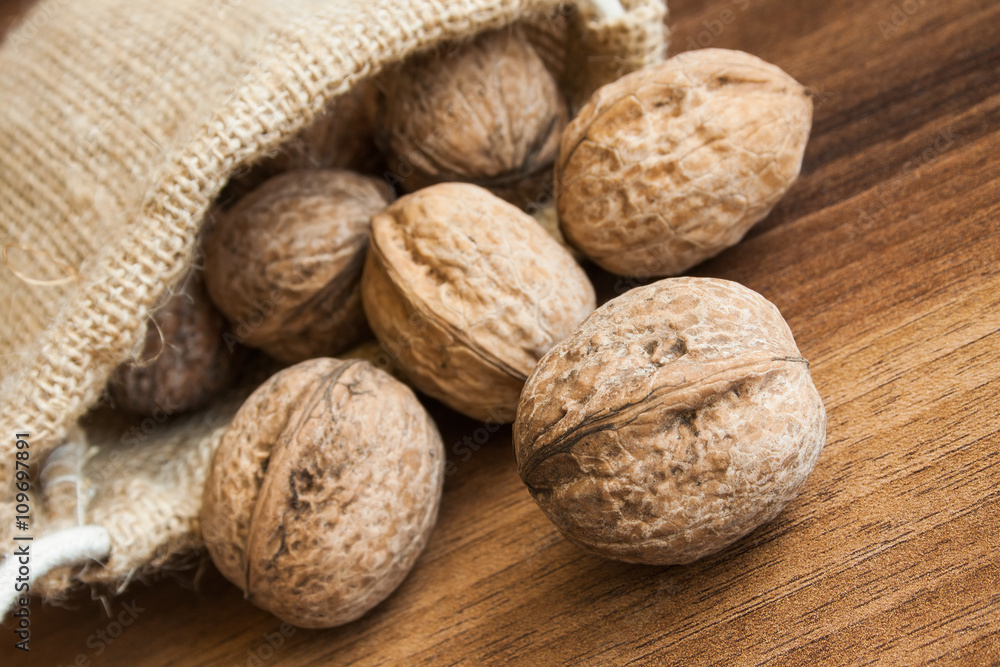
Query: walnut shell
[323,491]
[488,112]
[185,360]
[284,264]
[672,164]
[676,419]
[468,292]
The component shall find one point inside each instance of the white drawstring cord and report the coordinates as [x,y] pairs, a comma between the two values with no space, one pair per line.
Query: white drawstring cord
[71,546]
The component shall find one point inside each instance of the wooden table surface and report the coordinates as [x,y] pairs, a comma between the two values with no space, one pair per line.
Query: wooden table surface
[885,259]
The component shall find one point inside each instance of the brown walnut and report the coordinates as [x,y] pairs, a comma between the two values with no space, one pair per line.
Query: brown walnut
[486,112]
[323,491]
[672,164]
[284,264]
[468,292]
[185,361]
[676,419]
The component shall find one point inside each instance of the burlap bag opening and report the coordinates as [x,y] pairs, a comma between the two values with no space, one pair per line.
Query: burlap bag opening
[121,121]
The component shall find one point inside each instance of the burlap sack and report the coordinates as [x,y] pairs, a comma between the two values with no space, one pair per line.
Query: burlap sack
[121,120]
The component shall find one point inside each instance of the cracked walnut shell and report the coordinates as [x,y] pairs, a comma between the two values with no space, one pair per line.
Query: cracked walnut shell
[674,163]
[676,419]
[488,112]
[284,264]
[323,491]
[468,292]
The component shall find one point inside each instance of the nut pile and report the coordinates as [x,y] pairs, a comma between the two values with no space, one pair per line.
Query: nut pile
[657,429]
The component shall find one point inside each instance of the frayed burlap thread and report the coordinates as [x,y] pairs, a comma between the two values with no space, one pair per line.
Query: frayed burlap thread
[121,122]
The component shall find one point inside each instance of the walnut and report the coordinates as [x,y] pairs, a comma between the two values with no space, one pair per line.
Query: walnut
[675,420]
[673,163]
[284,264]
[488,112]
[323,491]
[185,361]
[468,292]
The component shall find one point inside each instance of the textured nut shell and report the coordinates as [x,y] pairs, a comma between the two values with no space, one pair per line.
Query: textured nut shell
[672,164]
[676,419]
[295,245]
[469,292]
[487,112]
[184,362]
[323,491]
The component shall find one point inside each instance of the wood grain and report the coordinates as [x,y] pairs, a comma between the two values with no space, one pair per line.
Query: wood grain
[885,259]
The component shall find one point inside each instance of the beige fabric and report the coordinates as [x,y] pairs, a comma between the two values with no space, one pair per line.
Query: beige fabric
[120,121]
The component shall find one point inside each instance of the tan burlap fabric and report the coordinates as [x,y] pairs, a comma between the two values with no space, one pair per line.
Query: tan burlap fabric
[120,121]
